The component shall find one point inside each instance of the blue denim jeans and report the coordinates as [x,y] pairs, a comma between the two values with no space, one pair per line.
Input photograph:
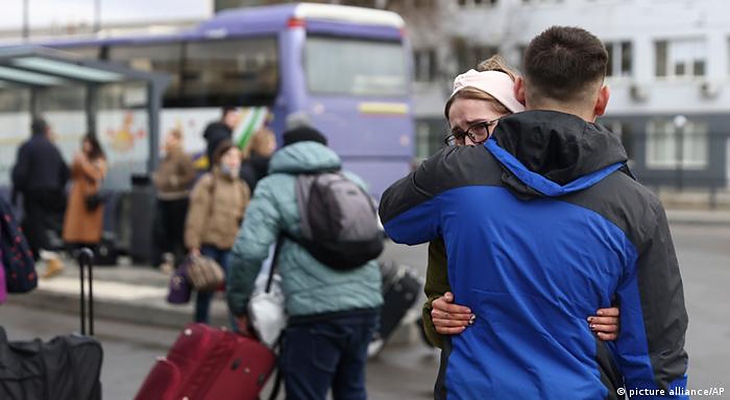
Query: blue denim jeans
[330,353]
[203,299]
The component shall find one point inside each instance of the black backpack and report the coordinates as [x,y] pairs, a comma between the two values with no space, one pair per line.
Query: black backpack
[340,225]
[15,253]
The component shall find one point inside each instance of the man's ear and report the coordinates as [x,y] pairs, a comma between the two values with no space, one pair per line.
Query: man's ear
[602,101]
[520,89]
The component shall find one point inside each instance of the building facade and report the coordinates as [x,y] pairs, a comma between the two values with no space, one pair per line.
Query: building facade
[669,72]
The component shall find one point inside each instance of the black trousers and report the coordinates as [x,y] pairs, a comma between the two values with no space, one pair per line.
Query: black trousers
[43,211]
[170,229]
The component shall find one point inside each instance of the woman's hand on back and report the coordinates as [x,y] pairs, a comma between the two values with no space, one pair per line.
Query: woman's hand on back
[449,318]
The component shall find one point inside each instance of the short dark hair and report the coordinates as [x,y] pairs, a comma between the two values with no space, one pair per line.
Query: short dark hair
[562,62]
[225,110]
[38,126]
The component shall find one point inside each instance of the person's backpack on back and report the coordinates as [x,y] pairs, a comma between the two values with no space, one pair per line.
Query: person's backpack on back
[339,222]
[17,258]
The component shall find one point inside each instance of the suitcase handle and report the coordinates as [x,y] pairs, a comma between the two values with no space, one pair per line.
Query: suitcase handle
[86,260]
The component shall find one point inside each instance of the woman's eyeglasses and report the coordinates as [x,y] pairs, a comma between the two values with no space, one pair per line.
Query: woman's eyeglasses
[478,133]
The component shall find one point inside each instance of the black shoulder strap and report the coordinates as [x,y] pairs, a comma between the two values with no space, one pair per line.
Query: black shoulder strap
[274,262]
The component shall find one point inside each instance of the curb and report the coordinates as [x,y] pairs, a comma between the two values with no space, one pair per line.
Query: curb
[156,312]
[702,218]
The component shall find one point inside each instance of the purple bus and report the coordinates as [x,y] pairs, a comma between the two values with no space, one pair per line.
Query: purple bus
[347,68]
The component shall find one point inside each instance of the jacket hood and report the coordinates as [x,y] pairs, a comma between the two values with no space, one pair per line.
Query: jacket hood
[304,157]
[549,153]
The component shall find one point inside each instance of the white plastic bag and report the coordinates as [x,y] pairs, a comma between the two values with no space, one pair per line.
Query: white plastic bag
[266,309]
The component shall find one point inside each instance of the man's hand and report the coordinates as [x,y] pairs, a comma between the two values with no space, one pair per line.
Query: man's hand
[448,318]
[605,323]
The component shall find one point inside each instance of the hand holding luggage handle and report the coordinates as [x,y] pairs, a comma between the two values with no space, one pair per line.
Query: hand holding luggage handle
[86,260]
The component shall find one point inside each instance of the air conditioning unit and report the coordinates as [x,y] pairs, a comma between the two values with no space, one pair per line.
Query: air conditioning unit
[638,92]
[709,90]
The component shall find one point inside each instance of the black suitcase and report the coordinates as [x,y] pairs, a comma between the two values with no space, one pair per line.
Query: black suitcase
[64,368]
[401,285]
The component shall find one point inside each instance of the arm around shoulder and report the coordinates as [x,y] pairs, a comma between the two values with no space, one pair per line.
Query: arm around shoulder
[409,208]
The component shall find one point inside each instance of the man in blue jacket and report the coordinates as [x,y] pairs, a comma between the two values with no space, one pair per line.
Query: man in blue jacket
[543,224]
[332,314]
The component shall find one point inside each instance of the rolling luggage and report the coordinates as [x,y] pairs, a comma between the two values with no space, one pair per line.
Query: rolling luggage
[64,368]
[401,286]
[206,363]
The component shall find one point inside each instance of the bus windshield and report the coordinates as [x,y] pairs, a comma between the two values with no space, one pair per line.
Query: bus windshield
[355,67]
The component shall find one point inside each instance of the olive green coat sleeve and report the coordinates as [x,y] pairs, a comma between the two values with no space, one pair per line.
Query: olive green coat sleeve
[437,283]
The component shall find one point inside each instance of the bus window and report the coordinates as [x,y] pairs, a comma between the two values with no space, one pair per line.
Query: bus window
[231,72]
[159,57]
[355,67]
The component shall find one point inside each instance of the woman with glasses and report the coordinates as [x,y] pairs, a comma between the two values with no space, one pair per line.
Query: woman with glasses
[479,99]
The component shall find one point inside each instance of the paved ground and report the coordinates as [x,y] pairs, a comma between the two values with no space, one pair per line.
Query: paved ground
[401,372]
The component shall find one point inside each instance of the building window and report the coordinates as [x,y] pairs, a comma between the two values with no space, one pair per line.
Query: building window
[430,136]
[476,3]
[424,64]
[670,145]
[470,56]
[541,1]
[624,132]
[680,58]
[620,58]
[519,59]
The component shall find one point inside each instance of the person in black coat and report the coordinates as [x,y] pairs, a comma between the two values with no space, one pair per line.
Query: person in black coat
[40,174]
[217,132]
[256,157]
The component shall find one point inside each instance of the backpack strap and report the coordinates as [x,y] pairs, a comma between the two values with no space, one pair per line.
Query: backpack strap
[274,262]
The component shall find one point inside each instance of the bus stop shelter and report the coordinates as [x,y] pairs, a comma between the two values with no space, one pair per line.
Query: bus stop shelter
[38,68]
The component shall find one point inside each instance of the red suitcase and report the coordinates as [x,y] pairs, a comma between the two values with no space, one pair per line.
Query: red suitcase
[206,363]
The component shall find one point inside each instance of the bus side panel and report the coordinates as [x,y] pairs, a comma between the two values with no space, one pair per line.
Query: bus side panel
[374,138]
[378,174]
[291,98]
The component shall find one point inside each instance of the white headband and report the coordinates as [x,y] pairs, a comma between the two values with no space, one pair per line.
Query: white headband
[494,83]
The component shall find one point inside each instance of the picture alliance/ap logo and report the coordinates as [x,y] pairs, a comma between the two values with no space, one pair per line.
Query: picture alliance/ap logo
[711,391]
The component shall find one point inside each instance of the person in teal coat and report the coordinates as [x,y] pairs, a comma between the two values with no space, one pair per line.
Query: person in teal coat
[332,314]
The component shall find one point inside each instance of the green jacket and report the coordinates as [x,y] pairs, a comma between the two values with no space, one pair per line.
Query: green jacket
[437,283]
[310,287]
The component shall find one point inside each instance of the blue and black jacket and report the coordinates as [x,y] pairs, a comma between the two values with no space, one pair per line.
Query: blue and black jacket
[543,225]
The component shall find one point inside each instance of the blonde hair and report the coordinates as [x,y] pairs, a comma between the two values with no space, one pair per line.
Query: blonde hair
[263,143]
[177,133]
[496,63]
[493,63]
